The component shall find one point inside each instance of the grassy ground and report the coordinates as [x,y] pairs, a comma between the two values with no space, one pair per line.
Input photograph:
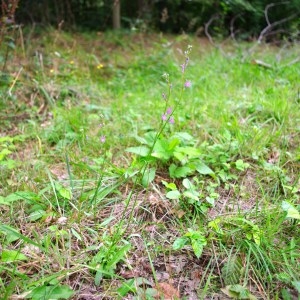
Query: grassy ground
[102,199]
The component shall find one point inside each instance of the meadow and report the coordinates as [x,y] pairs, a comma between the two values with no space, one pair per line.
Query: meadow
[142,166]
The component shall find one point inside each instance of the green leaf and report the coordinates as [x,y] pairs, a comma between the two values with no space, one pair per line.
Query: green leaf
[8,163]
[4,153]
[99,277]
[215,225]
[51,292]
[117,257]
[22,195]
[197,246]
[65,193]
[179,172]
[36,215]
[210,200]
[190,152]
[203,169]
[161,150]
[188,184]
[76,234]
[150,137]
[173,143]
[180,243]
[173,195]
[292,212]
[12,255]
[196,235]
[140,150]
[3,201]
[151,293]
[256,236]
[171,186]
[238,292]
[126,287]
[10,230]
[191,195]
[240,165]
[107,221]
[141,140]
[148,177]
[10,236]
[296,285]
[184,136]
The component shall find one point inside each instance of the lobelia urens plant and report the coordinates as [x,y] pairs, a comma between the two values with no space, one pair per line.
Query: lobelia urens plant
[155,146]
[115,247]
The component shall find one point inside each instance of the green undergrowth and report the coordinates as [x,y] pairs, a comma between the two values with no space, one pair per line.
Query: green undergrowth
[117,182]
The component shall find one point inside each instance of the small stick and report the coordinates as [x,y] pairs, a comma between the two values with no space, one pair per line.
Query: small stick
[14,82]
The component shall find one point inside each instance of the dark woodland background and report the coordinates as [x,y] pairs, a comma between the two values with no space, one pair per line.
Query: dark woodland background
[243,18]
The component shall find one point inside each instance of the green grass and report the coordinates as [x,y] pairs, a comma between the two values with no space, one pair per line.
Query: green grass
[209,207]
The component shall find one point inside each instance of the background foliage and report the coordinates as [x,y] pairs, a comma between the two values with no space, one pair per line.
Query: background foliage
[247,17]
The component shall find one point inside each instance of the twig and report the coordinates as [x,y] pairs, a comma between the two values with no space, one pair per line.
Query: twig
[261,63]
[294,61]
[15,80]
[206,29]
[269,6]
[269,26]
[213,18]
[232,35]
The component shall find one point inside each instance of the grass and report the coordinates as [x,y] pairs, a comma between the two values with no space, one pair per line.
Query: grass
[95,205]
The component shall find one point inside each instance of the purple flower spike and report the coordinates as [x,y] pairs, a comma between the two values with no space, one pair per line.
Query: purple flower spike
[164,117]
[187,84]
[102,139]
[171,120]
[169,110]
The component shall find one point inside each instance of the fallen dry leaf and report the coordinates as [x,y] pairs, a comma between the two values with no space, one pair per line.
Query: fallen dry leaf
[168,291]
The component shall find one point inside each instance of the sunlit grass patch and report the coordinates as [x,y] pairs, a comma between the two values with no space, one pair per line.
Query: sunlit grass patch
[116,182]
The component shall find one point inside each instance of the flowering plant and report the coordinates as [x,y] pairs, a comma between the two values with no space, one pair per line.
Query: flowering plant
[155,146]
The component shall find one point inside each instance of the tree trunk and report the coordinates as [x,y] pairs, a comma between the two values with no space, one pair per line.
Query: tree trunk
[117,14]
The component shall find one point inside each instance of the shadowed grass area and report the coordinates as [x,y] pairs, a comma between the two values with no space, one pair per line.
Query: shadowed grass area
[102,199]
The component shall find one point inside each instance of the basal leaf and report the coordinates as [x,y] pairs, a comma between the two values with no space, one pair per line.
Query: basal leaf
[191,195]
[36,215]
[161,150]
[3,201]
[76,234]
[51,292]
[140,150]
[126,287]
[292,212]
[65,193]
[22,195]
[148,177]
[203,169]
[173,195]
[10,230]
[179,172]
[118,256]
[12,255]
[188,184]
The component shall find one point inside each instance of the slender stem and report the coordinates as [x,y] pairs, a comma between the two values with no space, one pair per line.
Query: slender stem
[119,231]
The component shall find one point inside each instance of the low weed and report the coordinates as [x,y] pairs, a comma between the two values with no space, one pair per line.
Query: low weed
[119,183]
